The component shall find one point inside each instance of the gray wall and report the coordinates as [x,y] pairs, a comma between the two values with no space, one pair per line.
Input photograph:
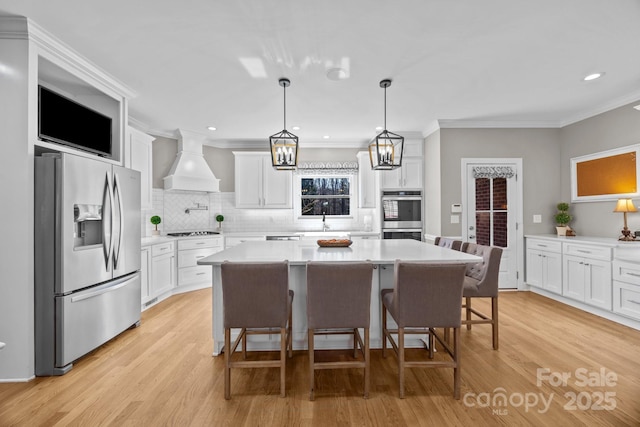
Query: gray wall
[613,129]
[540,153]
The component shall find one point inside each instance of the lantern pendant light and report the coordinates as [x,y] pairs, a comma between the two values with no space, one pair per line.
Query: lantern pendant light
[284,144]
[385,151]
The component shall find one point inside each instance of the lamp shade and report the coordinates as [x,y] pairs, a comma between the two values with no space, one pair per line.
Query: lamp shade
[625,205]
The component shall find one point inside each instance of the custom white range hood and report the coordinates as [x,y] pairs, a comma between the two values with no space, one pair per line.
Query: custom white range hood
[190,171]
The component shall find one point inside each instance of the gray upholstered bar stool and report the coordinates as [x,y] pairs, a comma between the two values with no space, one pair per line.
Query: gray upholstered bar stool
[425,296]
[481,281]
[445,242]
[338,303]
[255,298]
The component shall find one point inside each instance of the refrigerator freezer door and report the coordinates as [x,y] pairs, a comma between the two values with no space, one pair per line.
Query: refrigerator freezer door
[126,224]
[89,318]
[84,222]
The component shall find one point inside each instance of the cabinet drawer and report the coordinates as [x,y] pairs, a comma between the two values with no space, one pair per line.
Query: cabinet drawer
[627,272]
[189,258]
[162,249]
[594,252]
[197,274]
[200,243]
[544,245]
[626,299]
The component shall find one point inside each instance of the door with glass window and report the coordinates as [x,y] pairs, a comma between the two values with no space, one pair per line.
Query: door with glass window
[493,206]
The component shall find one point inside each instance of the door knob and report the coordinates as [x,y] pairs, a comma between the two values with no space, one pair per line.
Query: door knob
[472,237]
[471,227]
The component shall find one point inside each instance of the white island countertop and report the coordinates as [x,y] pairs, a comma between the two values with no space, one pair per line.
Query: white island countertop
[302,251]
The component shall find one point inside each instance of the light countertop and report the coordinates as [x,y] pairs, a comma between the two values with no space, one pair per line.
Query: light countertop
[303,251]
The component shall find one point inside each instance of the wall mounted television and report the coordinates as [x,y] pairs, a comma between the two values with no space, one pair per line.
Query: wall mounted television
[64,121]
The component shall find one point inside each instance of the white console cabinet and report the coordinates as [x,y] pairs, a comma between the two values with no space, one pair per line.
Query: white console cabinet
[626,281]
[595,274]
[544,265]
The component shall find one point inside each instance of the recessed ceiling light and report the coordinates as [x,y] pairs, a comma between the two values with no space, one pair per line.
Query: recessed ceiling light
[637,107]
[296,128]
[326,137]
[378,127]
[593,76]
[211,127]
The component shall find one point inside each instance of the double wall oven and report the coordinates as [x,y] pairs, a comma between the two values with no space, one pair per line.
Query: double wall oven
[402,215]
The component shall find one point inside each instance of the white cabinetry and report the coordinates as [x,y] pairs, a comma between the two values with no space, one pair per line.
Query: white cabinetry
[544,265]
[587,274]
[192,276]
[138,156]
[626,283]
[258,185]
[158,272]
[145,269]
[163,269]
[409,175]
[367,182]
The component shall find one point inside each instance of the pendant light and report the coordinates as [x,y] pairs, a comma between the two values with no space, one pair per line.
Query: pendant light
[284,144]
[385,151]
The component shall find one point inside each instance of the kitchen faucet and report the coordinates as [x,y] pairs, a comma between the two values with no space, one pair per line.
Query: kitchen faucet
[325,226]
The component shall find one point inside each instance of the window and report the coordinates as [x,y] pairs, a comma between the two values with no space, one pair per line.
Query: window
[329,195]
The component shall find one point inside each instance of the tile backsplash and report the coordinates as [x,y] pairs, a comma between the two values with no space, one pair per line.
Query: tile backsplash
[171,206]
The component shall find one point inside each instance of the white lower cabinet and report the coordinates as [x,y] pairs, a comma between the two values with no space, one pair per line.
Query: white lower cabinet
[158,272]
[544,265]
[626,288]
[587,274]
[145,269]
[192,276]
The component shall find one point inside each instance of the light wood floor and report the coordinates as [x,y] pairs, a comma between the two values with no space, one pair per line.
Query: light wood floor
[162,373]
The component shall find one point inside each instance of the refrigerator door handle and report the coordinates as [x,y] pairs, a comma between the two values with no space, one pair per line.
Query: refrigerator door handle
[107,228]
[102,291]
[118,239]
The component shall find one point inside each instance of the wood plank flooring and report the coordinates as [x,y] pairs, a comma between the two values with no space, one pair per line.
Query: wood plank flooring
[162,373]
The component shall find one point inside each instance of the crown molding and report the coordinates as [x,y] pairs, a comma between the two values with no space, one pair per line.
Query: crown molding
[453,124]
[432,127]
[612,105]
[14,27]
[73,61]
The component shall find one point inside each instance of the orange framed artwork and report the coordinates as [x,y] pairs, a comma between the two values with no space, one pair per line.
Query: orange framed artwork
[608,175]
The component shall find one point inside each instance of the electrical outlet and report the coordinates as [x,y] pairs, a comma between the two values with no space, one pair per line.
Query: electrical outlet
[537,219]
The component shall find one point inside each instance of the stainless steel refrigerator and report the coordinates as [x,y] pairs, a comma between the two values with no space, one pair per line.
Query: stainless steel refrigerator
[87,257]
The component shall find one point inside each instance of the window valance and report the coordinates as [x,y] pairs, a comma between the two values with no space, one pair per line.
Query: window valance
[327,168]
[493,172]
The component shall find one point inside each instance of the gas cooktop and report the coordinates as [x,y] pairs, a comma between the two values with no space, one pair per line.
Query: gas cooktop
[193,233]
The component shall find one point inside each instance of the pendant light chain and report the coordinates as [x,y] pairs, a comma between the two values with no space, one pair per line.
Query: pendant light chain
[385,107]
[284,87]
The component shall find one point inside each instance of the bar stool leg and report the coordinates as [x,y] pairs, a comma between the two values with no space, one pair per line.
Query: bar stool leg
[456,359]
[227,363]
[311,365]
[401,360]
[283,360]
[384,332]
[367,364]
[468,311]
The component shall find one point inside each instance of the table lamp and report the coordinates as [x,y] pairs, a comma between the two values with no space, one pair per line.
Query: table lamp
[624,206]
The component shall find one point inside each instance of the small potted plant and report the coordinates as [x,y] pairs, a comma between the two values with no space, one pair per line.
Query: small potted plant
[563,219]
[155,220]
[219,218]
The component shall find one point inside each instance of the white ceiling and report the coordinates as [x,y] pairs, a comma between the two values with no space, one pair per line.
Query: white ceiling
[504,63]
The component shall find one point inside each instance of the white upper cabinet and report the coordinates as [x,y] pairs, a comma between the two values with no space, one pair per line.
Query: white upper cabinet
[258,185]
[139,156]
[367,182]
[409,175]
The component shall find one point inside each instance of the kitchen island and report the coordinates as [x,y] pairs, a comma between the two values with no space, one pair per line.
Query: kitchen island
[382,253]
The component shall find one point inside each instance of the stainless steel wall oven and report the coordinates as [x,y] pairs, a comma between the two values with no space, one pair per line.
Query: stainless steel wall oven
[402,215]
